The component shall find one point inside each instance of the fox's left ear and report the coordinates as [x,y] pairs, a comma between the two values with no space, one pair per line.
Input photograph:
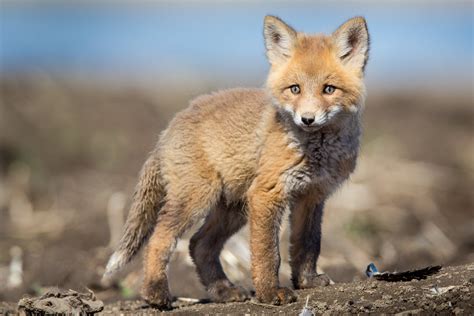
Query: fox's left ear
[279,39]
[352,43]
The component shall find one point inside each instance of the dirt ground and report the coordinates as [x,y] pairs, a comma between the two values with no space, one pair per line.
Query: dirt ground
[450,291]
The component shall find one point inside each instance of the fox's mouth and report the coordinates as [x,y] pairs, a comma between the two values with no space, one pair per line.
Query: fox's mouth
[311,128]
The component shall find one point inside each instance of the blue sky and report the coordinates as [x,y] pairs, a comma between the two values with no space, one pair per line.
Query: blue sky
[418,42]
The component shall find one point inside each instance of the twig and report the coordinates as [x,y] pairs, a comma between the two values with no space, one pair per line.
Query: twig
[262,304]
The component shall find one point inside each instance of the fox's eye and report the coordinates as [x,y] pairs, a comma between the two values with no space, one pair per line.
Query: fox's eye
[295,89]
[328,89]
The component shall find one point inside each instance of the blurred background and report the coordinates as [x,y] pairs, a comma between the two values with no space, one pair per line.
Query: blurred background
[86,87]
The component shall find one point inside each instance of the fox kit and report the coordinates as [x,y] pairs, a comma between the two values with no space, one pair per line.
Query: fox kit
[248,155]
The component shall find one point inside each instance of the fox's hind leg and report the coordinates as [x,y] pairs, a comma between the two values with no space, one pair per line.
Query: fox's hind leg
[178,214]
[206,245]
[162,242]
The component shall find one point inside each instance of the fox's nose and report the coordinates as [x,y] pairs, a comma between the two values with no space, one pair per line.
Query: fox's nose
[307,118]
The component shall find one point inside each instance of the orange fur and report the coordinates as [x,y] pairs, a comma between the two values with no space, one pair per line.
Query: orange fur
[248,154]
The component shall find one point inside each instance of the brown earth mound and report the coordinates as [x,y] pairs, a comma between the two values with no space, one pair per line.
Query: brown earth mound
[449,291]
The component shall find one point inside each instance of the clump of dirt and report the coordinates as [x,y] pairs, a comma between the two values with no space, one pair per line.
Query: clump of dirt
[56,301]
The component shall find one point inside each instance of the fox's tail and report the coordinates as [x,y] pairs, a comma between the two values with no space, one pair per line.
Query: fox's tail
[147,201]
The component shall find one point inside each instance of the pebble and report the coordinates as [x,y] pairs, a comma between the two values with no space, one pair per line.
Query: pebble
[322,305]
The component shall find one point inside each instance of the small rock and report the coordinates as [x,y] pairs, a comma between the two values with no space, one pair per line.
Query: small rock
[387,297]
[367,305]
[322,306]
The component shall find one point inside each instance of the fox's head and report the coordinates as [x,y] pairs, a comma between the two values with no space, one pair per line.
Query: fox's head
[316,78]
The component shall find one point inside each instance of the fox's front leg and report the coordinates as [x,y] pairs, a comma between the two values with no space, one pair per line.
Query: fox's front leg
[305,244]
[266,209]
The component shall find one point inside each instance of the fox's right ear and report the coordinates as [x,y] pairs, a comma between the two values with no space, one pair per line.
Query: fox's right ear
[352,42]
[279,39]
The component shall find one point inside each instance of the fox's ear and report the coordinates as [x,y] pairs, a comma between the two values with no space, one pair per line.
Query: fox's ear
[279,39]
[352,42]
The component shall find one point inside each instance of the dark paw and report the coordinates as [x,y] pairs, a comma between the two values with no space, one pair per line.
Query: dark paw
[313,280]
[157,297]
[277,296]
[227,292]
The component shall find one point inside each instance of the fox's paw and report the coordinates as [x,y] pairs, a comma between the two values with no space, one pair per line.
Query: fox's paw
[227,292]
[313,280]
[276,296]
[159,302]
[157,296]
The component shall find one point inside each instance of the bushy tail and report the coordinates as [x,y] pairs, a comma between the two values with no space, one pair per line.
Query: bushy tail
[147,200]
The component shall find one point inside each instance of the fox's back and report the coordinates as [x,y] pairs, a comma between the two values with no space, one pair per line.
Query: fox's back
[218,135]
